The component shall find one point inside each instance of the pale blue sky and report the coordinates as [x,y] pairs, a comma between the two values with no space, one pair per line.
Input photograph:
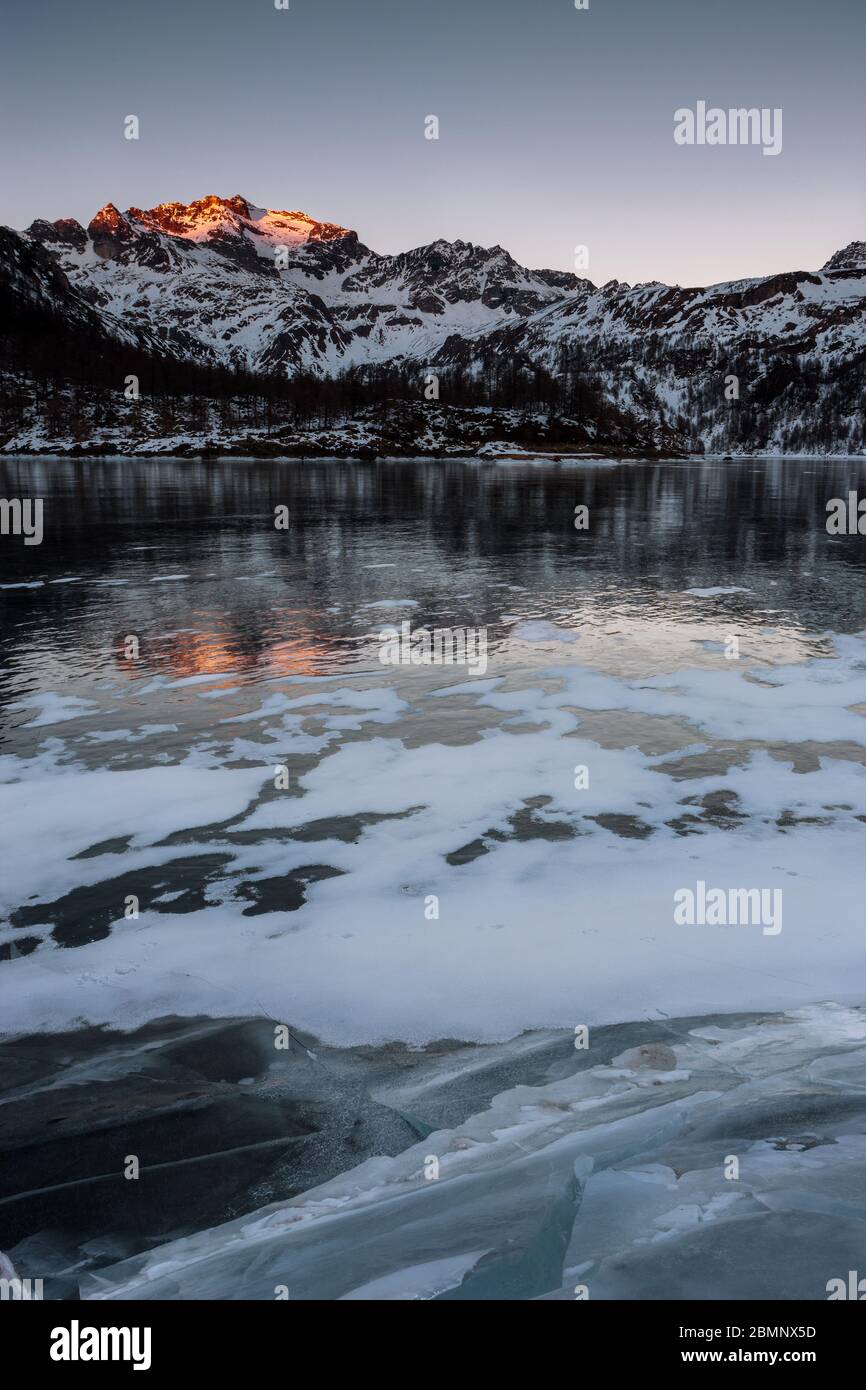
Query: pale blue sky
[556,124]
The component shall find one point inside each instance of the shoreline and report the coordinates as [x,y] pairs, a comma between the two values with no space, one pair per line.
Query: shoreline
[105,453]
[112,1031]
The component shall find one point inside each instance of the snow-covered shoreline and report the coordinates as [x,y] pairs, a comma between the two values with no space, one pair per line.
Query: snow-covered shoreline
[106,453]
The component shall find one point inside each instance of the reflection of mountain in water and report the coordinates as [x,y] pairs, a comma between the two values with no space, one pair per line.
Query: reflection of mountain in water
[669,523]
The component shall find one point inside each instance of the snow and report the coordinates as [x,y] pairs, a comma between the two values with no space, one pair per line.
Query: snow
[719,589]
[531,933]
[540,630]
[53,708]
[148,805]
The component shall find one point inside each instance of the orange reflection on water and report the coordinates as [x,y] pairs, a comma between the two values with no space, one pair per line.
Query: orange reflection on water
[299,656]
[215,652]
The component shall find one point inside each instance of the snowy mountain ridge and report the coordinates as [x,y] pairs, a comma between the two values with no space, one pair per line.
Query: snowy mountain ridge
[223,281]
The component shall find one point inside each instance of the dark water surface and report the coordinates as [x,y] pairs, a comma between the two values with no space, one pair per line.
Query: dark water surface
[469,543]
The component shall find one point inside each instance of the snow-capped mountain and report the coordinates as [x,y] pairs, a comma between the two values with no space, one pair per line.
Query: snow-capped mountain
[222,281]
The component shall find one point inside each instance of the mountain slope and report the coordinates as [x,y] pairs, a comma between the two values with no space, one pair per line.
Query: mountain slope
[225,283]
[224,280]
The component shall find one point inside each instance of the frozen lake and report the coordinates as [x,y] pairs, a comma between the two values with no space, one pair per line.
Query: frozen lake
[216,802]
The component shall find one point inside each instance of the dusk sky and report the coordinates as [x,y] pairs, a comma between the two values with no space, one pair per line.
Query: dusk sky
[556,125]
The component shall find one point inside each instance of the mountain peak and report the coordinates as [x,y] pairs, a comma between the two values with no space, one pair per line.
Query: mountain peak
[187,219]
[850,257]
[64,232]
[110,222]
[214,218]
